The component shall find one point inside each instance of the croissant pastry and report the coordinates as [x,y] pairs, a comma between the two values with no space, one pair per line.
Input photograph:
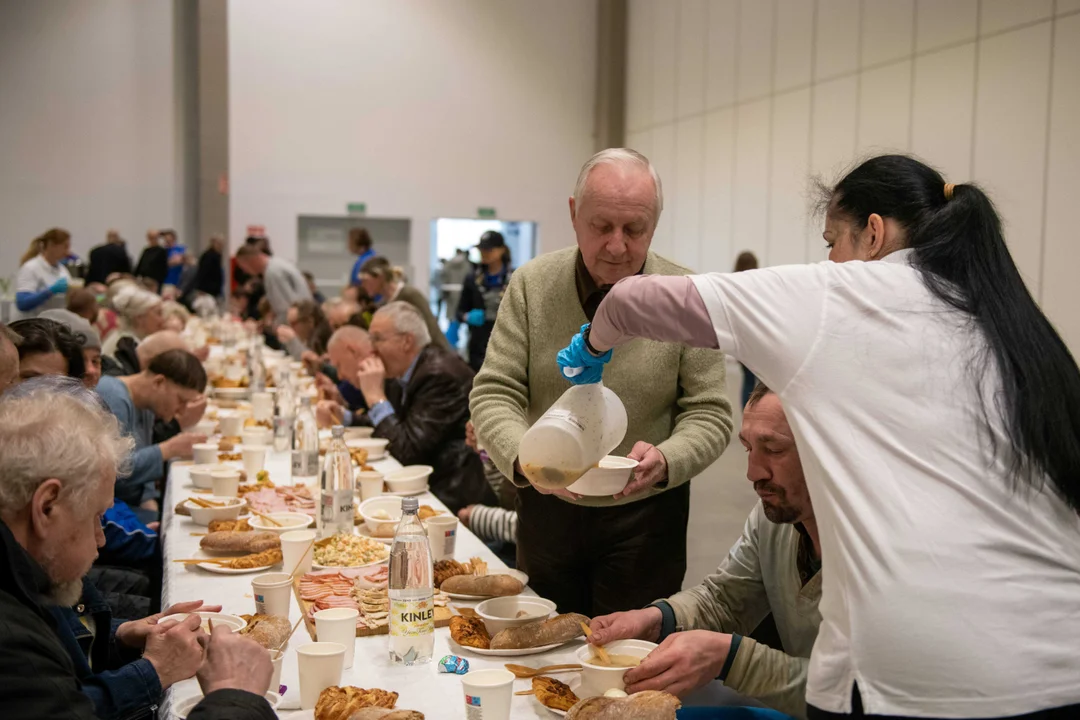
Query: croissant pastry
[339,703]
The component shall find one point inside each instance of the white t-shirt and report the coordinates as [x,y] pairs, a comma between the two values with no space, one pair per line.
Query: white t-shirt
[948,591]
[36,275]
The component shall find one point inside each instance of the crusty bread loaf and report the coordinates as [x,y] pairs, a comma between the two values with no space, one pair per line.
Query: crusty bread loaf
[384,714]
[559,629]
[233,541]
[486,586]
[647,705]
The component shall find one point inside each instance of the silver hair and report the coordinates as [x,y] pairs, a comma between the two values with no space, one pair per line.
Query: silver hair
[131,302]
[348,333]
[619,156]
[408,320]
[156,343]
[54,427]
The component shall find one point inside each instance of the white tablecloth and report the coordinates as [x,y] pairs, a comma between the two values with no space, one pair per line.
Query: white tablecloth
[439,696]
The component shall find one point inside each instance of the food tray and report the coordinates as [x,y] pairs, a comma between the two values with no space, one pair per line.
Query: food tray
[442,617]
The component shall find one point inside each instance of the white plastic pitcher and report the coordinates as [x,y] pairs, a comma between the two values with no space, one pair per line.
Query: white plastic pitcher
[584,425]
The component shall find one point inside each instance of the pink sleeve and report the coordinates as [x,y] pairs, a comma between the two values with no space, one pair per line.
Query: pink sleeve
[658,307]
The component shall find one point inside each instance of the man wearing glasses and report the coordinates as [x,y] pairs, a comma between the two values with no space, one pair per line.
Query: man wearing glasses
[418,395]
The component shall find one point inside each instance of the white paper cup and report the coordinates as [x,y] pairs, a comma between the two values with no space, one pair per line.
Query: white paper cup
[442,536]
[232,424]
[321,664]
[370,484]
[205,427]
[225,483]
[272,592]
[338,625]
[297,544]
[254,457]
[262,405]
[488,694]
[276,656]
[204,453]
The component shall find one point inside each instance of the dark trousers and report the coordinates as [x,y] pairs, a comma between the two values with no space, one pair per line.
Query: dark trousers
[597,561]
[1070,712]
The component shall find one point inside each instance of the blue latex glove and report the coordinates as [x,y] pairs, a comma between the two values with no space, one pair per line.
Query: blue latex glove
[453,333]
[580,366]
[60,286]
[476,317]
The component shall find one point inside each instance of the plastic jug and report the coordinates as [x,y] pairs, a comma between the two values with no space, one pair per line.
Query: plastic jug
[584,425]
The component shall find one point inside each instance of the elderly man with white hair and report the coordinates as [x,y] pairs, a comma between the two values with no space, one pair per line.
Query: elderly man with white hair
[418,398]
[598,555]
[60,451]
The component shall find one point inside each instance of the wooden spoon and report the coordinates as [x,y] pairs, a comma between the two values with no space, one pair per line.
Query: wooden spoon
[598,649]
[265,517]
[524,671]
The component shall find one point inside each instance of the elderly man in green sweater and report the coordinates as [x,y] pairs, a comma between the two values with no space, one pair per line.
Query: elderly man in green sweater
[601,555]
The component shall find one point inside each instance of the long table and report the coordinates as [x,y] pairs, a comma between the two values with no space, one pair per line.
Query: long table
[439,696]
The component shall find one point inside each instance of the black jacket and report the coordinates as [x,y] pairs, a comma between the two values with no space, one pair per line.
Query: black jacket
[428,428]
[37,677]
[478,293]
[125,361]
[107,259]
[154,264]
[210,277]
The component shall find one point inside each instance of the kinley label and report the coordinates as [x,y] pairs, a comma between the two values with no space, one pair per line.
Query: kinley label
[412,618]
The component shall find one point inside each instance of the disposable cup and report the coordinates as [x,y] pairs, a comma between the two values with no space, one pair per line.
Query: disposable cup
[488,694]
[232,424]
[205,453]
[272,592]
[320,665]
[206,427]
[276,656]
[297,544]
[254,457]
[370,484]
[338,625]
[442,536]
[225,483]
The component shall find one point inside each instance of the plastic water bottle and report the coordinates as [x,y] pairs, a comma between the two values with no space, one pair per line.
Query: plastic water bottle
[336,514]
[257,372]
[305,449]
[412,590]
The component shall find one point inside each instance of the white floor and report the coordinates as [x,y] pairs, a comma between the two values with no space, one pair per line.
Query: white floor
[721,498]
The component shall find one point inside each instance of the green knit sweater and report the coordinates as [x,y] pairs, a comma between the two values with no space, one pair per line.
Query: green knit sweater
[674,395]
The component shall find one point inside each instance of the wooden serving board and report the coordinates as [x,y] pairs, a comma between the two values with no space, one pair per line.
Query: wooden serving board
[442,617]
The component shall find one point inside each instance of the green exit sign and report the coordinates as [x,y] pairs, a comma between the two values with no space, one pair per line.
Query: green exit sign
[485,212]
[356,208]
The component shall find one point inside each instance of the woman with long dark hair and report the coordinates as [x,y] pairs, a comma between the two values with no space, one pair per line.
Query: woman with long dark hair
[937,413]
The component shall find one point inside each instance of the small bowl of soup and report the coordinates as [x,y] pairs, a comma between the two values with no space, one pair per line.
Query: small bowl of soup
[597,677]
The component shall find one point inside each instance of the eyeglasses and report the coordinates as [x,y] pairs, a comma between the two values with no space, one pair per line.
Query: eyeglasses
[378,338]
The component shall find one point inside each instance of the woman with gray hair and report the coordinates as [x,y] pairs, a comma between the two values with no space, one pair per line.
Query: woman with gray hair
[139,313]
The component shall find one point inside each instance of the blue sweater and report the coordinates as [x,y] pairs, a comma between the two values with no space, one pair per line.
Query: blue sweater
[147,464]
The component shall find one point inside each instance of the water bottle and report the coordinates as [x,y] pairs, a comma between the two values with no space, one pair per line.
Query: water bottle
[284,413]
[412,590]
[305,449]
[257,371]
[336,513]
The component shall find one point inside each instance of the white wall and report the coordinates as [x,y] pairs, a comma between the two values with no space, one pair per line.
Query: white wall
[419,108]
[88,122]
[739,102]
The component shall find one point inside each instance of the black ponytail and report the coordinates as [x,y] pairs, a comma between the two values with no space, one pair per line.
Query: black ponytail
[961,252]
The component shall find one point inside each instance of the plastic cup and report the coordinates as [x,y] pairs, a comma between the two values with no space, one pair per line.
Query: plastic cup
[272,591]
[338,625]
[225,483]
[297,544]
[206,427]
[262,405]
[254,457]
[232,424]
[321,664]
[276,656]
[488,694]
[442,536]
[370,484]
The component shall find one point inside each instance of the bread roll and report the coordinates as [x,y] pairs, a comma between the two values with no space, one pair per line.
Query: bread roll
[558,629]
[647,705]
[270,631]
[486,586]
[384,714]
[233,541]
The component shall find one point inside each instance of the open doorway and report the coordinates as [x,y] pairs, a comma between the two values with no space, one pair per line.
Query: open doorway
[448,268]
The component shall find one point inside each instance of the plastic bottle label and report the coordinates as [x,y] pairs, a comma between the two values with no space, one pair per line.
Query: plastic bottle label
[412,618]
[305,463]
[336,505]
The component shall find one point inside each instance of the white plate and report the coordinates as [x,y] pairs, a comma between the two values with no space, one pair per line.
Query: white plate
[508,571]
[462,650]
[574,684]
[409,493]
[231,571]
[317,566]
[362,530]
[232,393]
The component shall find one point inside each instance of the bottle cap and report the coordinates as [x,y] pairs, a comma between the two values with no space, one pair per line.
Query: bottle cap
[410,504]
[337,431]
